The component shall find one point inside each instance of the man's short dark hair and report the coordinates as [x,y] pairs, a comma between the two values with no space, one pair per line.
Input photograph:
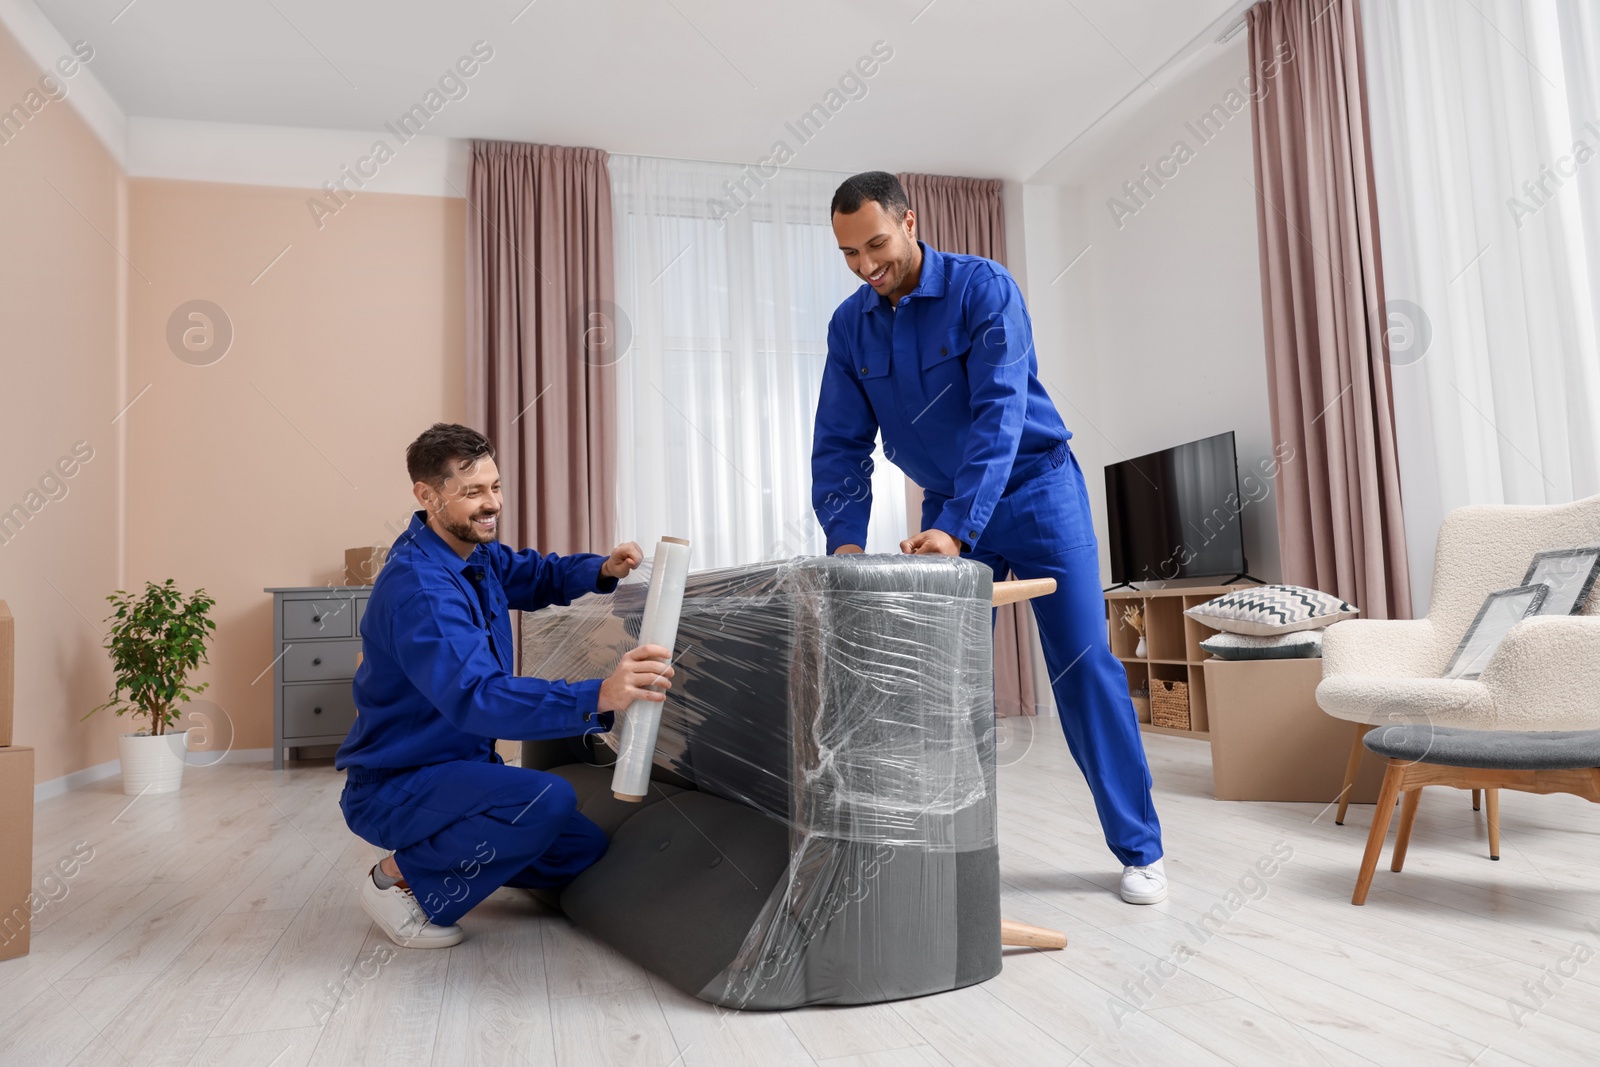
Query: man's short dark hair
[877,185]
[444,448]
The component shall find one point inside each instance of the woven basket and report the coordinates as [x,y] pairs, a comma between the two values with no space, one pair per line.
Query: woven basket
[1169,704]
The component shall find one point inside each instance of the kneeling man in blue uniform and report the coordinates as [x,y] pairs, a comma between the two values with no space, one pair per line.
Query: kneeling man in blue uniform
[436,688]
[936,352]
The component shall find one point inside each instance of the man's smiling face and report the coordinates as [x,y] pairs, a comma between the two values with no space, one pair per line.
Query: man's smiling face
[880,249]
[468,505]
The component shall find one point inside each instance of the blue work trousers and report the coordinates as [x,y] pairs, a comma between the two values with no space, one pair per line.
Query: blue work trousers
[1043,529]
[462,829]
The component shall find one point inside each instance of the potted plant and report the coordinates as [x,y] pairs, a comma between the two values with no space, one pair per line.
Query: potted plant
[157,638]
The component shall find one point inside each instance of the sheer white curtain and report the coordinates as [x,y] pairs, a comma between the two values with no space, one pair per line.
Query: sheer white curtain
[727,307]
[1485,120]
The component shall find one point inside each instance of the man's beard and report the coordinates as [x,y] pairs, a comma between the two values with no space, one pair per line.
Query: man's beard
[465,531]
[899,269]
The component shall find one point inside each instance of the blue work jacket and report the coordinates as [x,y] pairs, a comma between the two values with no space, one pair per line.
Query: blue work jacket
[437,680]
[950,377]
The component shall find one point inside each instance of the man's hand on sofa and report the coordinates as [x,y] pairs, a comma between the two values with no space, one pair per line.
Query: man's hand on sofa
[643,674]
[931,543]
[623,559]
[847,550]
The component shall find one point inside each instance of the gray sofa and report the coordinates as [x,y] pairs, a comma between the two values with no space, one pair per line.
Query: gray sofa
[821,827]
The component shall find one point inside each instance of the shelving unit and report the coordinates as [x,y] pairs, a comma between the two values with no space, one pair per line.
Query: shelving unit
[1172,648]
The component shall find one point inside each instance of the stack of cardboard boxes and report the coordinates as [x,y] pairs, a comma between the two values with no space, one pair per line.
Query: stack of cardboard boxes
[16,807]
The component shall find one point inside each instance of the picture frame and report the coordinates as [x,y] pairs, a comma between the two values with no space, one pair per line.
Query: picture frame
[1501,610]
[1570,573]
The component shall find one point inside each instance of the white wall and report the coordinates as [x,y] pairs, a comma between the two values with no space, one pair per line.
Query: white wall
[1154,336]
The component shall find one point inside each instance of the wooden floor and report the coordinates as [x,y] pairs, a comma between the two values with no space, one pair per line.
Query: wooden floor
[208,924]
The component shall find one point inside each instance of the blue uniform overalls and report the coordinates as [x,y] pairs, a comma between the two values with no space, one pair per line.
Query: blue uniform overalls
[950,378]
[435,688]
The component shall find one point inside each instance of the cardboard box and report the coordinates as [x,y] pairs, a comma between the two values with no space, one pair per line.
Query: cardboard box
[16,850]
[361,565]
[8,672]
[1270,740]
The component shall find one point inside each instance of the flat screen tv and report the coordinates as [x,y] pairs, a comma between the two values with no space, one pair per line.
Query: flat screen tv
[1175,513]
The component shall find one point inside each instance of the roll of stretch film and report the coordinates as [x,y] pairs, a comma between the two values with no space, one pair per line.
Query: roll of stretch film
[662,606]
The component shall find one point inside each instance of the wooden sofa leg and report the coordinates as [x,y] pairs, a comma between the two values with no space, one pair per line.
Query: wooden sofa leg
[1351,769]
[1024,934]
[1476,793]
[1408,816]
[1382,815]
[1494,822]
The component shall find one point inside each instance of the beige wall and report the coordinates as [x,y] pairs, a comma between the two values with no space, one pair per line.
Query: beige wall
[256,470]
[59,295]
[261,469]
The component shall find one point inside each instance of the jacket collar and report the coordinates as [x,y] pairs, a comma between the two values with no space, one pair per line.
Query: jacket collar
[433,546]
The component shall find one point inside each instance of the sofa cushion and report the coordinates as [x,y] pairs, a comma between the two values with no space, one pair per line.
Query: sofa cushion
[682,885]
[1381,700]
[592,785]
[597,801]
[1271,609]
[1302,644]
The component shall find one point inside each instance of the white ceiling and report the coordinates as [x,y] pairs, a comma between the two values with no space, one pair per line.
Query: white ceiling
[989,89]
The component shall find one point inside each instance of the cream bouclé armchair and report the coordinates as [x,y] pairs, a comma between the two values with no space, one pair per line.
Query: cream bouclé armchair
[1545,675]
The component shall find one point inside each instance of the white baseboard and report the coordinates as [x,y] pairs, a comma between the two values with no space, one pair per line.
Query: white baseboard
[89,775]
[76,780]
[233,755]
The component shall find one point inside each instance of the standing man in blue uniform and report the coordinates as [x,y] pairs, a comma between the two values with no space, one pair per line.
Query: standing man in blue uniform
[436,688]
[936,351]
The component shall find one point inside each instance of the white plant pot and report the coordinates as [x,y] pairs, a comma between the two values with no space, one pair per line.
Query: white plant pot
[1139,650]
[153,764]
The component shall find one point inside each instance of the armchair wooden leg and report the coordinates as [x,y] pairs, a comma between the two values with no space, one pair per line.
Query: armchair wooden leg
[1382,815]
[1351,769]
[1494,822]
[1408,816]
[1476,793]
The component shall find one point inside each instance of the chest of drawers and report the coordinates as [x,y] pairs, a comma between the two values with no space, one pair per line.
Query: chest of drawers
[316,635]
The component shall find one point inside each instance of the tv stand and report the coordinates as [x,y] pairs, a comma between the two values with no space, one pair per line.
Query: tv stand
[1172,649]
[1243,577]
[1119,585]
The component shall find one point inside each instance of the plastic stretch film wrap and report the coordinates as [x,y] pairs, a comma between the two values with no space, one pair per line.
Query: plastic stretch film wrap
[821,824]
[658,626]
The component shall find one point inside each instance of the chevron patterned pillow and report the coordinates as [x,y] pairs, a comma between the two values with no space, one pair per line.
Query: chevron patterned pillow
[1265,610]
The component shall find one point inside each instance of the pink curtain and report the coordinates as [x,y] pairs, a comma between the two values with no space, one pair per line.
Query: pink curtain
[1339,515]
[965,215]
[540,339]
[962,215]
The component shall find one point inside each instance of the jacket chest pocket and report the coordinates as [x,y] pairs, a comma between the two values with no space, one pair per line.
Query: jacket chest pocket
[874,365]
[945,394]
[944,346]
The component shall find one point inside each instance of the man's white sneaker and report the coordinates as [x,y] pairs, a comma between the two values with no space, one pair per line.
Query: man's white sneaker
[1144,885]
[398,914]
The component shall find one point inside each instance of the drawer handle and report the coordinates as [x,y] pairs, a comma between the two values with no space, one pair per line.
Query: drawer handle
[316,711]
[317,662]
[316,618]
